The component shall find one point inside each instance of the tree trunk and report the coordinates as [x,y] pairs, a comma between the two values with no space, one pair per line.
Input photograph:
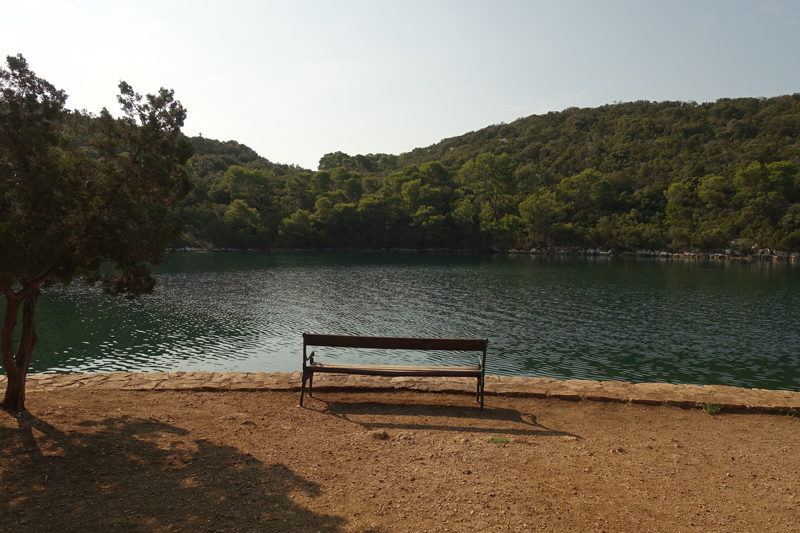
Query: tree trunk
[16,364]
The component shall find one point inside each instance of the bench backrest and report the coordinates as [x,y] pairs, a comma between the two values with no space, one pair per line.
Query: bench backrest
[397,343]
[394,343]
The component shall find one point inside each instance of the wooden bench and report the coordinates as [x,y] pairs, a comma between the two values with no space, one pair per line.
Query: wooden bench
[311,367]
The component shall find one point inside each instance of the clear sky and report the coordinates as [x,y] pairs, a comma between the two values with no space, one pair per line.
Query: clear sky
[297,79]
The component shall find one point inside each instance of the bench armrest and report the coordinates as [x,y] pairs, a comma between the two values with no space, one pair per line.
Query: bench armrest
[482,356]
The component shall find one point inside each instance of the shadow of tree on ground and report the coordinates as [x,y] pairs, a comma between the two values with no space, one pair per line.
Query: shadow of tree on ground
[133,474]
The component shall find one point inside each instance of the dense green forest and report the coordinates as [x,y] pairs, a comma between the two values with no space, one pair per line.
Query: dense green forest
[676,176]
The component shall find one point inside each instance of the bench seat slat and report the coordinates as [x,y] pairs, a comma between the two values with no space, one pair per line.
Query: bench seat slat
[396,370]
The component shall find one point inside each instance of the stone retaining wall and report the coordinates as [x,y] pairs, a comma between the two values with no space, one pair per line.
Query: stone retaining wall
[728,398]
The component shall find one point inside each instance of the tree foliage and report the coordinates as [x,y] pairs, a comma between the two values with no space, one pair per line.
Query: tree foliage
[78,191]
[654,175]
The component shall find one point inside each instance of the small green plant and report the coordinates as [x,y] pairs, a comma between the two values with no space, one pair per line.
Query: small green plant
[498,440]
[711,408]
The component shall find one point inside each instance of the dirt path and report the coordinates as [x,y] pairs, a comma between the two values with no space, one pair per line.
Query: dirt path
[111,460]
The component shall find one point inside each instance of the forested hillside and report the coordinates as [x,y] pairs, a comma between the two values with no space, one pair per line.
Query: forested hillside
[655,175]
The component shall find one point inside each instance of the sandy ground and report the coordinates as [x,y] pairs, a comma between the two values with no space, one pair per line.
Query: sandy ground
[110,460]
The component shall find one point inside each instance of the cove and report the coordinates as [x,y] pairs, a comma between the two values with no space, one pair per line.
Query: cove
[564,317]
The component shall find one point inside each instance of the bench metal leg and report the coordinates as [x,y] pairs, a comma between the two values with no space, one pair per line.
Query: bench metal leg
[479,394]
[310,377]
[482,384]
[303,388]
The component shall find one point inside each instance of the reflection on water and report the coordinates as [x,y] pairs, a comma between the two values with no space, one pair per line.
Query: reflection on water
[563,317]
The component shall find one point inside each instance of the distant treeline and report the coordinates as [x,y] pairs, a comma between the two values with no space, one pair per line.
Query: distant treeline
[643,175]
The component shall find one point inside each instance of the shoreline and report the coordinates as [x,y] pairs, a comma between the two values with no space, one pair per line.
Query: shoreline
[684,396]
[727,255]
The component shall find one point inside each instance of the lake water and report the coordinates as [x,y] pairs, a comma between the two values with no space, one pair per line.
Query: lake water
[638,320]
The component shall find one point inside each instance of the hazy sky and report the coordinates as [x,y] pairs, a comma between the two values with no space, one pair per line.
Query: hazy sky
[296,80]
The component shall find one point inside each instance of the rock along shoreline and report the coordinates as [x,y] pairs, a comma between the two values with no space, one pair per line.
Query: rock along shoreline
[684,396]
[764,254]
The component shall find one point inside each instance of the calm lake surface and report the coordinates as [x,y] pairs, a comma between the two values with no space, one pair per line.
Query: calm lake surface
[638,320]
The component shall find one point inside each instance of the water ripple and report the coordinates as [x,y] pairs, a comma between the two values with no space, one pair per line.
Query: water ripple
[610,319]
